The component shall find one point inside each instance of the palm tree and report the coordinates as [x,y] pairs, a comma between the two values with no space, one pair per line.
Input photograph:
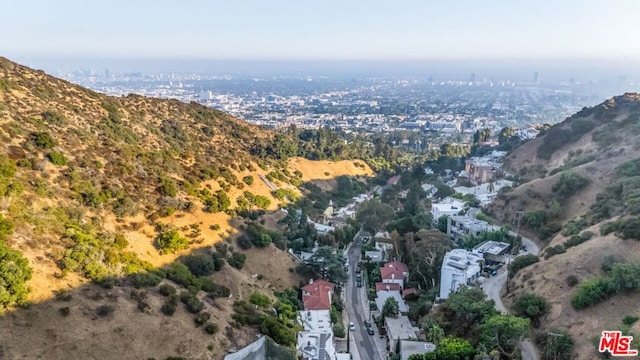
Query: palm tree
[491,188]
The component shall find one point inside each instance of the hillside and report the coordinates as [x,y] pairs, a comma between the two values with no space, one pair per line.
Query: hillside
[578,195]
[97,188]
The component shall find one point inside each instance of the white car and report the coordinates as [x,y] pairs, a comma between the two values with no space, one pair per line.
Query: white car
[352,326]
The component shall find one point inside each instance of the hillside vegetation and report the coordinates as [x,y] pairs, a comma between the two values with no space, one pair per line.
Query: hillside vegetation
[578,195]
[133,193]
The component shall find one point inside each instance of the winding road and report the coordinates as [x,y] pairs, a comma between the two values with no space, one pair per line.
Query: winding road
[493,286]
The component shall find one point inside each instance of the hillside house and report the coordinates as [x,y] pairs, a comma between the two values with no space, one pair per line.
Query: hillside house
[459,267]
[447,207]
[399,328]
[462,227]
[394,272]
[317,295]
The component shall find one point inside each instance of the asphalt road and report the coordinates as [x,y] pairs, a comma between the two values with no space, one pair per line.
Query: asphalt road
[357,306]
[493,286]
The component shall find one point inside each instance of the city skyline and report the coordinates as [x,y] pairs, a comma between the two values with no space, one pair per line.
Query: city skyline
[334,31]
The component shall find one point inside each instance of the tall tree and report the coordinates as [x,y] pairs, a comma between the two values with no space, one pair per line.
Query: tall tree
[373,215]
[425,254]
[391,308]
[326,263]
[503,332]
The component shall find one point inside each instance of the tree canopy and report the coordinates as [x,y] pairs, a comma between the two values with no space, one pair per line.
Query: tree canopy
[390,308]
[373,215]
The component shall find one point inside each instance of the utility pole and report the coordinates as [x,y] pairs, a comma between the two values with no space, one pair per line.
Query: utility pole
[348,339]
[518,217]
[519,214]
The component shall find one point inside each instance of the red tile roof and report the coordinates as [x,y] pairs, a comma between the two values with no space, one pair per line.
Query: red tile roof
[393,270]
[391,273]
[398,265]
[409,291]
[391,287]
[317,295]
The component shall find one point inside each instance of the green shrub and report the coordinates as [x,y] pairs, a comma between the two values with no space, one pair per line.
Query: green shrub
[14,275]
[166,211]
[104,310]
[244,242]
[554,250]
[205,283]
[531,306]
[575,240]
[168,308]
[591,292]
[145,279]
[167,290]
[237,260]
[181,274]
[171,242]
[572,280]
[6,227]
[260,300]
[483,217]
[202,318]
[574,226]
[193,304]
[211,328]
[57,158]
[630,320]
[629,228]
[218,290]
[248,179]
[260,201]
[201,265]
[167,187]
[609,227]
[43,140]
[64,311]
[569,184]
[521,262]
[7,167]
[535,219]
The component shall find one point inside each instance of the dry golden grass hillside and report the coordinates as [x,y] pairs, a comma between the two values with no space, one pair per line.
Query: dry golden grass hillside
[93,185]
[578,195]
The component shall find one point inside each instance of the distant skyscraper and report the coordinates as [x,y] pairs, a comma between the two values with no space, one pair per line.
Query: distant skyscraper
[107,74]
[472,78]
[536,78]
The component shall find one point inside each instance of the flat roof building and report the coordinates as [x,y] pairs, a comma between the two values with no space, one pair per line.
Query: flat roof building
[462,227]
[447,207]
[399,328]
[316,341]
[492,250]
[408,348]
[459,267]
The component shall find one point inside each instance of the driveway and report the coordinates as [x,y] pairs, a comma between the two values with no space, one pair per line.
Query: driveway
[493,286]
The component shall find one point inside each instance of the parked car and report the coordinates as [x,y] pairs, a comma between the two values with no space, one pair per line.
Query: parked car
[367,323]
[358,270]
[370,331]
[359,283]
[352,326]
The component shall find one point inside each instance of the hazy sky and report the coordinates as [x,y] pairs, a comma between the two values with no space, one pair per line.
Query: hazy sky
[322,29]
